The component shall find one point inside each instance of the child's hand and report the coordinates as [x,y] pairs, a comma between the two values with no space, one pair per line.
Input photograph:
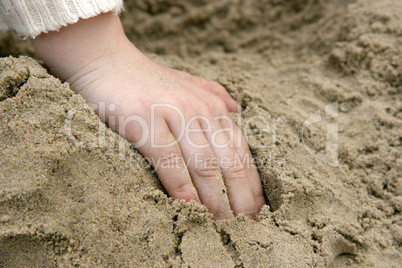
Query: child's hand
[98,61]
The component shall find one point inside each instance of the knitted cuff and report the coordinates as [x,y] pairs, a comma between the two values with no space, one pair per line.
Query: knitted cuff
[29,18]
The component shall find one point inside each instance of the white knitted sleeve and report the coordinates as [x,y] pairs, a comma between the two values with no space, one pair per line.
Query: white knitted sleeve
[29,18]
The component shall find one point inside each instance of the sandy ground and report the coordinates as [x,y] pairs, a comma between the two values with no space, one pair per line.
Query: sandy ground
[72,192]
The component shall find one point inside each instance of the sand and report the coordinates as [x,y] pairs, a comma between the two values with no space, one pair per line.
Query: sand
[74,193]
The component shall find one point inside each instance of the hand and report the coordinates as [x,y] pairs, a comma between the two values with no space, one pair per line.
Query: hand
[179,122]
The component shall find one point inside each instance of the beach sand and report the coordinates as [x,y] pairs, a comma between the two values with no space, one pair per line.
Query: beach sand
[74,193]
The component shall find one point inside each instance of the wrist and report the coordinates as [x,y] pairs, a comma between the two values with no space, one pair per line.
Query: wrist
[76,46]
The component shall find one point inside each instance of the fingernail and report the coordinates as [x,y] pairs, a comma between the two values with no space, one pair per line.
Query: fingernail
[239,108]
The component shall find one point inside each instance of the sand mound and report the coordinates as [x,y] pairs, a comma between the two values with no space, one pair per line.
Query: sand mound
[72,192]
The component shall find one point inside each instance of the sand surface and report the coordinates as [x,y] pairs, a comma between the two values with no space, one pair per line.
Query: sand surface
[72,192]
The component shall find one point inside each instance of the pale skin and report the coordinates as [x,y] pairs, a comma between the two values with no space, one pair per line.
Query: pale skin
[98,61]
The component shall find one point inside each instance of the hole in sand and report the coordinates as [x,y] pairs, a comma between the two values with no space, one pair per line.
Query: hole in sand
[24,251]
[272,190]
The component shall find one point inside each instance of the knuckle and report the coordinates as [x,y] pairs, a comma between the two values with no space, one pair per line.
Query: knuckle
[207,108]
[206,173]
[183,190]
[207,170]
[236,171]
[219,106]
[218,100]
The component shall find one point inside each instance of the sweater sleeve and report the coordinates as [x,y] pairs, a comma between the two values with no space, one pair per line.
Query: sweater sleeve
[29,18]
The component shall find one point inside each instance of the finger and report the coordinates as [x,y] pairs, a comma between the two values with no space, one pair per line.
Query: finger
[236,178]
[232,105]
[216,89]
[164,154]
[222,93]
[203,167]
[247,161]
